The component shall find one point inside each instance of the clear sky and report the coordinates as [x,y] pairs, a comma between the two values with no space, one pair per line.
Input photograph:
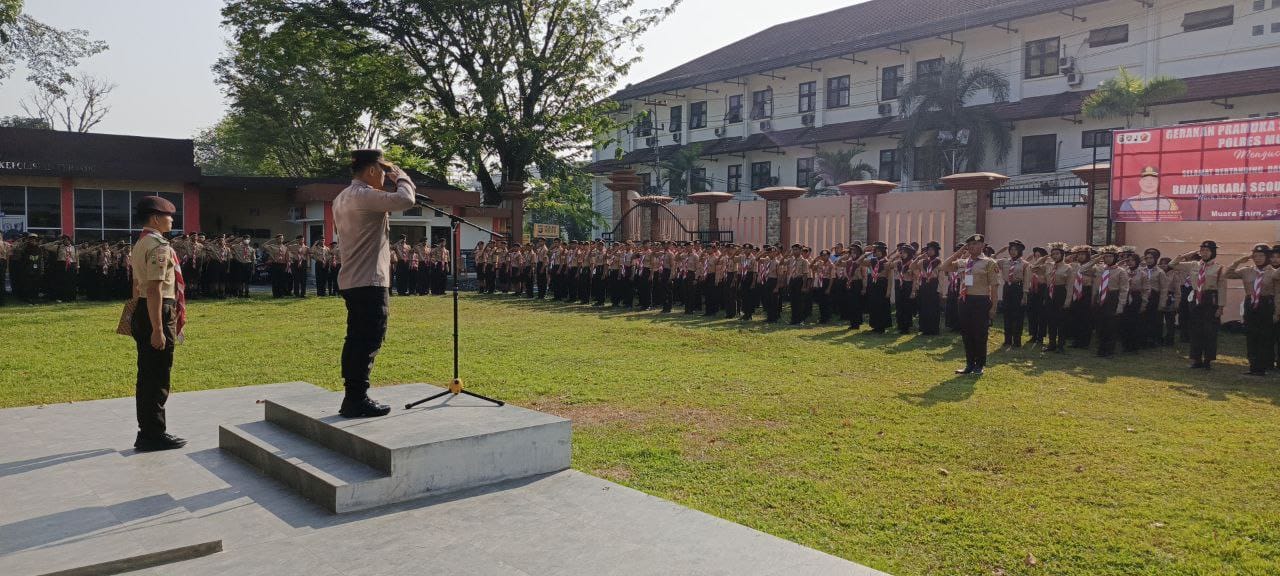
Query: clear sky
[161,52]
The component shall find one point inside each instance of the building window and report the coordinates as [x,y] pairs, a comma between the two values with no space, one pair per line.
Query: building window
[762,104]
[761,175]
[890,81]
[644,125]
[88,208]
[926,164]
[1259,29]
[1109,35]
[698,115]
[734,178]
[808,97]
[931,68]
[1039,153]
[1275,27]
[677,118]
[698,180]
[13,200]
[1259,5]
[1211,18]
[1096,138]
[1041,58]
[44,208]
[734,113]
[889,168]
[804,172]
[837,92]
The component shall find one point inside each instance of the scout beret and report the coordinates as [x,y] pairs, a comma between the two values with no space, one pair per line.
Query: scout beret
[1039,250]
[933,245]
[975,238]
[880,245]
[1210,244]
[1109,250]
[1149,171]
[1017,243]
[1128,249]
[1263,248]
[155,205]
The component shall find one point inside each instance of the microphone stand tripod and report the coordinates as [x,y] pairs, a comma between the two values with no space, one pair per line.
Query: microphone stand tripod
[455,387]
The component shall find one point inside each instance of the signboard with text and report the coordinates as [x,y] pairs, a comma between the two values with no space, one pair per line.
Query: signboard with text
[546,230]
[1213,171]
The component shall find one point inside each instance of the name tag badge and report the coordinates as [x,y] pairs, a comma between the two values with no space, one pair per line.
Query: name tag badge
[968,279]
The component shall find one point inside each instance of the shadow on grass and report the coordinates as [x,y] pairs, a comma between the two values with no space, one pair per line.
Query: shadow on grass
[1161,364]
[956,389]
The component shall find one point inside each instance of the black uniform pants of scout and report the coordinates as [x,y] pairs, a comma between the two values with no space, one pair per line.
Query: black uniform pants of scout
[151,390]
[300,280]
[4,267]
[541,273]
[278,280]
[1081,319]
[953,310]
[1130,325]
[1152,321]
[333,281]
[322,279]
[1106,322]
[974,327]
[367,311]
[822,297]
[1014,314]
[1036,302]
[769,297]
[729,295]
[711,295]
[1057,319]
[1204,329]
[1184,315]
[930,305]
[598,287]
[854,305]
[878,308]
[662,290]
[905,308]
[1259,333]
[798,305]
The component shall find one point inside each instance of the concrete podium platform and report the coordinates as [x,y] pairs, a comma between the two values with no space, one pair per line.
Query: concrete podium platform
[73,493]
[448,444]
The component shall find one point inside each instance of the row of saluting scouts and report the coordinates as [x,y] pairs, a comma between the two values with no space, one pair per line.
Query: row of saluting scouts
[1059,296]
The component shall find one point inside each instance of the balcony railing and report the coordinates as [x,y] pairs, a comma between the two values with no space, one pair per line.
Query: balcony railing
[1061,192]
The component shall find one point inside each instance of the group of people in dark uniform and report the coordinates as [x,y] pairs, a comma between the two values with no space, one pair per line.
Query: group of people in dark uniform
[419,269]
[1057,296]
[60,270]
[289,263]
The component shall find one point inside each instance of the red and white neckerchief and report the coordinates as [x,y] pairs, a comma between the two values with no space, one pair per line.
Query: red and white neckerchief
[180,288]
[1013,265]
[875,271]
[1077,286]
[1199,289]
[964,284]
[1106,281]
[926,271]
[1257,285]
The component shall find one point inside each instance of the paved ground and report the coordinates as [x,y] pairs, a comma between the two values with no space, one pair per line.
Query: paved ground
[72,493]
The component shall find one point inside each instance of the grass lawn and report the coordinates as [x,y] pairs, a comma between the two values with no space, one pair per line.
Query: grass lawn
[863,446]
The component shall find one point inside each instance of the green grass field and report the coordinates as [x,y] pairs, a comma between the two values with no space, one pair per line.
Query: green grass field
[863,446]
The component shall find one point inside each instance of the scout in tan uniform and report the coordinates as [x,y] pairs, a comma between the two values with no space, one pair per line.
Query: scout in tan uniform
[1152,286]
[1205,304]
[1258,280]
[1110,294]
[157,321]
[981,276]
[1013,292]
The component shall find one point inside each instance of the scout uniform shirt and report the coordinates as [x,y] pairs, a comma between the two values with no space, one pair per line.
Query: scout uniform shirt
[978,276]
[1152,280]
[1203,277]
[1111,286]
[1258,283]
[152,258]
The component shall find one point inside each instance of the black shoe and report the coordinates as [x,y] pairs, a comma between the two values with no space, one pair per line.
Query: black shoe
[976,371]
[161,442]
[1196,365]
[966,370]
[362,408]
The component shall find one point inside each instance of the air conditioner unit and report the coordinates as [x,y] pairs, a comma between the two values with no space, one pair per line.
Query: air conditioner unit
[1075,79]
[651,141]
[720,132]
[1066,65]
[295,213]
[807,119]
[766,125]
[885,108]
[675,136]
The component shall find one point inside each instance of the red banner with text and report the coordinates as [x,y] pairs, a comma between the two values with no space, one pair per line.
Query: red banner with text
[1227,170]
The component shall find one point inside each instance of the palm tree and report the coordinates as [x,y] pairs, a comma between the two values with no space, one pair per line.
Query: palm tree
[946,132]
[1126,96]
[838,167]
[678,172]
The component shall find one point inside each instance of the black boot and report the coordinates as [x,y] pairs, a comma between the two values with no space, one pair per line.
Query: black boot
[148,443]
[362,407]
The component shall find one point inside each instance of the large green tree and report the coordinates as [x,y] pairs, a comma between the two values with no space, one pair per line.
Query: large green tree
[49,54]
[303,96]
[941,132]
[678,178]
[504,86]
[563,199]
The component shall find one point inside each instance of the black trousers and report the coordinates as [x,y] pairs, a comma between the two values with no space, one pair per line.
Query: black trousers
[404,278]
[662,289]
[1184,314]
[974,327]
[769,297]
[151,390]
[799,304]
[1259,331]
[710,294]
[1081,319]
[855,304]
[322,279]
[878,309]
[300,280]
[748,295]
[904,305]
[333,281]
[729,295]
[279,280]
[1130,325]
[1106,322]
[541,272]
[1014,314]
[367,312]
[930,305]
[953,310]
[4,267]
[1056,316]
[1204,328]
[1035,311]
[598,287]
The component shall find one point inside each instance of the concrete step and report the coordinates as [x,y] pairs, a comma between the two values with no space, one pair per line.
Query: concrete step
[453,443]
[332,480]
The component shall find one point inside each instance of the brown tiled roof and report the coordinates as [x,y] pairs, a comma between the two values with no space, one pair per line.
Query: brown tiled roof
[1199,89]
[860,27]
